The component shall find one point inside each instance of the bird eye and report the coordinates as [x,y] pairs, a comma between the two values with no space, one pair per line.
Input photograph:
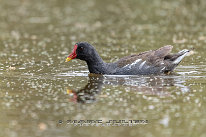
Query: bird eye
[81,48]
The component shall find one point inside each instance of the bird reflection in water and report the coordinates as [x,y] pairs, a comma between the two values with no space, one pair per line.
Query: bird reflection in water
[146,85]
[90,91]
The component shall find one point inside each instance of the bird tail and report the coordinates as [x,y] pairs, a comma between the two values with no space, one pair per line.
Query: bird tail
[181,54]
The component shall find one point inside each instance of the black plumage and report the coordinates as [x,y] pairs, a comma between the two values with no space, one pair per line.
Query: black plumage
[145,63]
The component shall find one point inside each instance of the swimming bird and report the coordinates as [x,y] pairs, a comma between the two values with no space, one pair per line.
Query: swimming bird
[146,63]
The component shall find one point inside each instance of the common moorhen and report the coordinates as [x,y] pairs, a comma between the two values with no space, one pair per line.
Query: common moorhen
[145,63]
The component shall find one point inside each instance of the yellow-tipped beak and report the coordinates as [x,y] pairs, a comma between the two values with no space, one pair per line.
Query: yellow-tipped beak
[68,59]
[73,55]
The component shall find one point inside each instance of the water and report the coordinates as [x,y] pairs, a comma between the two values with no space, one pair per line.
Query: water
[39,92]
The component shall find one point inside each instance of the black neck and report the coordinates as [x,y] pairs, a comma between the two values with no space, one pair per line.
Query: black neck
[96,64]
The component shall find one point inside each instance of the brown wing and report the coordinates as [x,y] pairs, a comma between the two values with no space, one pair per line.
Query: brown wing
[153,57]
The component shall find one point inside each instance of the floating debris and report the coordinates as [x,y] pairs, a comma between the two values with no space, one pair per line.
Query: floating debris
[12,68]
[42,126]
[202,38]
[180,41]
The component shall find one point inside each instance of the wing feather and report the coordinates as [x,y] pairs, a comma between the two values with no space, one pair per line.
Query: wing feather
[153,57]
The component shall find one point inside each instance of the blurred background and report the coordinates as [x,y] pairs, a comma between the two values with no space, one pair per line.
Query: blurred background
[37,88]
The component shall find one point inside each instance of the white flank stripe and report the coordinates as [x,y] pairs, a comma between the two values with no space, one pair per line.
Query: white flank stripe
[136,61]
[141,65]
[163,68]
